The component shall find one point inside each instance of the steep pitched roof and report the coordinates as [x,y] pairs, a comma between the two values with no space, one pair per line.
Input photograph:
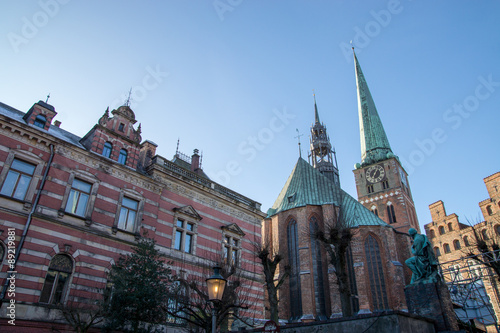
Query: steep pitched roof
[375,146]
[307,186]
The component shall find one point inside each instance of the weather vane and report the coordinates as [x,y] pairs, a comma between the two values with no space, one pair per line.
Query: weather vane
[298,138]
[127,103]
[47,100]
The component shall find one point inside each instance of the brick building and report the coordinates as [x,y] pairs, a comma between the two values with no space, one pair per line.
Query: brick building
[75,204]
[312,198]
[453,241]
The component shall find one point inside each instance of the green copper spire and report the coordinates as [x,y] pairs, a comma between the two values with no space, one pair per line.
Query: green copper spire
[316,114]
[374,144]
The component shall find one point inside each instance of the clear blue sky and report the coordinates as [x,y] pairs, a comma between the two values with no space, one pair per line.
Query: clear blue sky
[234,78]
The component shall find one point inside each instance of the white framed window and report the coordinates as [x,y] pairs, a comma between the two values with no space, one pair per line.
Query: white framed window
[232,237]
[80,195]
[20,175]
[129,212]
[56,284]
[184,236]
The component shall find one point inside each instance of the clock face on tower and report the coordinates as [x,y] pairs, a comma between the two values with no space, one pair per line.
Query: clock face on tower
[375,173]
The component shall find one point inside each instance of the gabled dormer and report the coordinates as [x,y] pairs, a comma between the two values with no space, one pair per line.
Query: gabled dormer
[115,137]
[40,115]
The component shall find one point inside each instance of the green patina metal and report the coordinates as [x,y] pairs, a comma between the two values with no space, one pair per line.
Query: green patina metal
[375,146]
[307,186]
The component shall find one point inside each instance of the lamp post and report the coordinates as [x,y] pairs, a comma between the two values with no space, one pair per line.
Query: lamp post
[216,284]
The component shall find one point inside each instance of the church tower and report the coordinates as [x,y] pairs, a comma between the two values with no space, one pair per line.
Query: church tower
[322,153]
[381,181]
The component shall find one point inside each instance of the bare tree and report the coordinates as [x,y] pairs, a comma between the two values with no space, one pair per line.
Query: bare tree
[270,261]
[336,236]
[83,316]
[190,303]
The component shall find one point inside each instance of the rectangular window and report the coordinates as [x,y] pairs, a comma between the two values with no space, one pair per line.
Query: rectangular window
[184,235]
[385,184]
[231,250]
[78,197]
[18,179]
[128,213]
[370,188]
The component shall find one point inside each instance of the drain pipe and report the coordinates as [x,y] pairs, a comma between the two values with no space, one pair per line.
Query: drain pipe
[12,271]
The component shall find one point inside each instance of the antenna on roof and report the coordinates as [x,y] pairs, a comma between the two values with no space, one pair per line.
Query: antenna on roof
[127,102]
[298,137]
[47,100]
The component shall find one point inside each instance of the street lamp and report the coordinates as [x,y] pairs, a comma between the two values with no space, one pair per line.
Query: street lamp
[216,284]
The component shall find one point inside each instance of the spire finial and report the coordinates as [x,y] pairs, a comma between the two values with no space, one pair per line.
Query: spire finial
[47,100]
[177,150]
[298,138]
[316,114]
[127,102]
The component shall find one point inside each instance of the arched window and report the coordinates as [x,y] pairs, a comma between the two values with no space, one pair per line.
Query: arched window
[376,274]
[441,230]
[122,159]
[456,244]
[374,210]
[466,241]
[450,227]
[106,151]
[488,209]
[391,213]
[56,282]
[484,232]
[40,121]
[432,233]
[446,247]
[497,229]
[437,251]
[319,288]
[294,279]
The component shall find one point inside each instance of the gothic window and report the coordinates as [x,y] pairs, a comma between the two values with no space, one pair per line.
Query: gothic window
[78,197]
[56,282]
[106,151]
[441,230]
[370,188]
[488,209]
[231,249]
[352,281]
[446,247]
[319,287]
[385,184]
[294,279]
[437,251]
[18,179]
[456,244]
[484,233]
[450,227]
[466,241]
[376,274]
[432,234]
[40,121]
[122,158]
[374,210]
[391,213]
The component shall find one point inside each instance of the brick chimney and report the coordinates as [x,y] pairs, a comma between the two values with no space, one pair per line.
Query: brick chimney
[195,160]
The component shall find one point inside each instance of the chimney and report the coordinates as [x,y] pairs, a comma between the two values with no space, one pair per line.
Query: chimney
[195,160]
[57,123]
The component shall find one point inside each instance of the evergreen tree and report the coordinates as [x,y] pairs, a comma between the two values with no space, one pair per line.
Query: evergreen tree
[141,282]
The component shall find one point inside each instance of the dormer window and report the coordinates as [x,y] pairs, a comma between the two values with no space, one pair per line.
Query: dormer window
[106,151]
[40,121]
[121,127]
[122,159]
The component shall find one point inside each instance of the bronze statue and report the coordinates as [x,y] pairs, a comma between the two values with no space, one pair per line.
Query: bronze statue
[423,263]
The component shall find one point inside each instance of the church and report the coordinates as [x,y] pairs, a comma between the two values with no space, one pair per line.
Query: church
[379,221]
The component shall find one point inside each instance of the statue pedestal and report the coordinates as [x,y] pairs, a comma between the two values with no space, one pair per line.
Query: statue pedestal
[432,300]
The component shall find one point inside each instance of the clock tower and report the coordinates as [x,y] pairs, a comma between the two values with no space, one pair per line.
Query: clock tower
[381,181]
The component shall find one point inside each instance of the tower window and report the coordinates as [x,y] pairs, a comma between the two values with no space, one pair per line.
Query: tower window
[484,232]
[446,247]
[106,151]
[466,241]
[40,121]
[370,188]
[488,209]
[122,158]
[432,234]
[450,227]
[391,213]
[456,244]
[437,251]
[441,230]
[385,184]
[375,211]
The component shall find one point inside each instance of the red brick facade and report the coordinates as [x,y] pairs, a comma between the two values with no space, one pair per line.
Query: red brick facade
[95,236]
